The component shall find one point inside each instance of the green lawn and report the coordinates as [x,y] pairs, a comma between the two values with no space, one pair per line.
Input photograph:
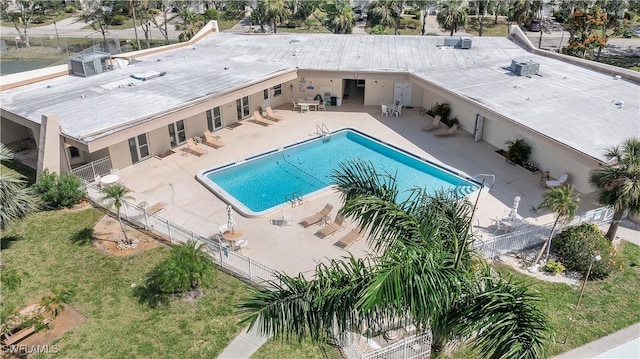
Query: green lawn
[489,29]
[52,250]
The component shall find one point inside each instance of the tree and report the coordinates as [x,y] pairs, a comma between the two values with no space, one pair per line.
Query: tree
[385,13]
[188,268]
[583,30]
[16,199]
[340,18]
[259,15]
[423,6]
[425,273]
[452,15]
[522,11]
[618,183]
[276,13]
[191,24]
[480,7]
[98,14]
[132,10]
[563,201]
[114,195]
[20,13]
[164,6]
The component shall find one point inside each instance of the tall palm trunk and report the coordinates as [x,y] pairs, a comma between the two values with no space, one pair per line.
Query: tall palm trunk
[135,27]
[547,243]
[425,13]
[615,223]
[124,231]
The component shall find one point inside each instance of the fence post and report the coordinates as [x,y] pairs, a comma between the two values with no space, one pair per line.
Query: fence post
[146,218]
[404,349]
[169,232]
[250,265]
[93,169]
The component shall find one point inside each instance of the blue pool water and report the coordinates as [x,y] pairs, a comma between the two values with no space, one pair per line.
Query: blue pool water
[265,182]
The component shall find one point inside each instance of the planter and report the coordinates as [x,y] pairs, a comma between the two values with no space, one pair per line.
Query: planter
[501,153]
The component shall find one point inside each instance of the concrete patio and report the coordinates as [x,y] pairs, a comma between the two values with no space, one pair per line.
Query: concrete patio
[294,249]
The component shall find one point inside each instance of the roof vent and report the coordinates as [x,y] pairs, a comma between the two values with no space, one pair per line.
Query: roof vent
[524,68]
[90,64]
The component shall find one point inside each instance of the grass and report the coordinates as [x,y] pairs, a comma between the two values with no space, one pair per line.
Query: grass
[489,29]
[306,349]
[118,324]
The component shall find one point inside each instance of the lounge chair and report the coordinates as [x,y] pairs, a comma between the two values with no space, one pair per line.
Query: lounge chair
[273,116]
[193,148]
[447,132]
[212,141]
[348,239]
[332,227]
[257,118]
[557,182]
[160,206]
[296,107]
[433,125]
[315,218]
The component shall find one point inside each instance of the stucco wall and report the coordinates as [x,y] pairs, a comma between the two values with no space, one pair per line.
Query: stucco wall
[196,125]
[12,132]
[380,92]
[120,155]
[229,113]
[90,157]
[158,140]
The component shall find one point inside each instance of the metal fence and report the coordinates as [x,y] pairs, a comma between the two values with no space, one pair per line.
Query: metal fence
[353,346]
[90,171]
[530,236]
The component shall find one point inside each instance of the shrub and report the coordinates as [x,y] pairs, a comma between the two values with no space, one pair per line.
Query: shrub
[518,151]
[118,20]
[57,191]
[577,245]
[554,267]
[443,110]
[377,30]
[39,19]
[187,268]
[211,14]
[70,9]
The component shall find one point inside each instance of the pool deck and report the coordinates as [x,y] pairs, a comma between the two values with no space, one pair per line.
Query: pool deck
[294,249]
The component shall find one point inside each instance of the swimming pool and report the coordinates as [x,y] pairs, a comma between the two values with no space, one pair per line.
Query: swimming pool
[268,181]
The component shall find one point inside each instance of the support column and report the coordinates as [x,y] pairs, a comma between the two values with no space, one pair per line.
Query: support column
[49,145]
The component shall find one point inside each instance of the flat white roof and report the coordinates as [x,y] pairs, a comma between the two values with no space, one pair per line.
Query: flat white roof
[570,104]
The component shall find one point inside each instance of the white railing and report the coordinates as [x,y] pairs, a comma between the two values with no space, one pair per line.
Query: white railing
[89,171]
[236,263]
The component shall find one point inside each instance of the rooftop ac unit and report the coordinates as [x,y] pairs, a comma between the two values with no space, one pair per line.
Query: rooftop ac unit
[89,64]
[465,42]
[524,68]
[451,41]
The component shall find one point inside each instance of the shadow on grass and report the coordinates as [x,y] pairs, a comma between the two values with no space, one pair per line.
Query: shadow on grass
[7,241]
[150,295]
[83,237]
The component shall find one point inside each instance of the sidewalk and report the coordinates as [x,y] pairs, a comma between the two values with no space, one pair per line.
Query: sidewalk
[244,345]
[619,345]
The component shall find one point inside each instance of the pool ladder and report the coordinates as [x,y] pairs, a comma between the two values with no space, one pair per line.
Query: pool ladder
[323,130]
[295,198]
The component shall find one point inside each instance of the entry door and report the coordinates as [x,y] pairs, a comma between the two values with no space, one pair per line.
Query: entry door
[266,102]
[214,119]
[139,148]
[402,92]
[243,108]
[478,128]
[177,133]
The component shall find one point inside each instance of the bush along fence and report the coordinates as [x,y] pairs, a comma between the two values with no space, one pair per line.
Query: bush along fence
[352,345]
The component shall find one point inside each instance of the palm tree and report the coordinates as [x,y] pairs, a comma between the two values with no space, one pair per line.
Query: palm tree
[339,18]
[425,273]
[191,24]
[276,12]
[618,183]
[114,195]
[563,201]
[187,268]
[452,15]
[385,13]
[17,200]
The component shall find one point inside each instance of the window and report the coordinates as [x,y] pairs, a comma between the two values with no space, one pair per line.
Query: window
[74,152]
[277,90]
[242,107]
[214,119]
[139,148]
[265,94]
[177,133]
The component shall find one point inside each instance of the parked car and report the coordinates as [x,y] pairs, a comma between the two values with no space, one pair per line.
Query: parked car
[535,25]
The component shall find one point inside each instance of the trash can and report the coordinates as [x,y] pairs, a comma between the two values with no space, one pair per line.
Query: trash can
[334,101]
[339,101]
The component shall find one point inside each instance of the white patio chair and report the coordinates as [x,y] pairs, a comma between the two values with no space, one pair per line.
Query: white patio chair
[385,110]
